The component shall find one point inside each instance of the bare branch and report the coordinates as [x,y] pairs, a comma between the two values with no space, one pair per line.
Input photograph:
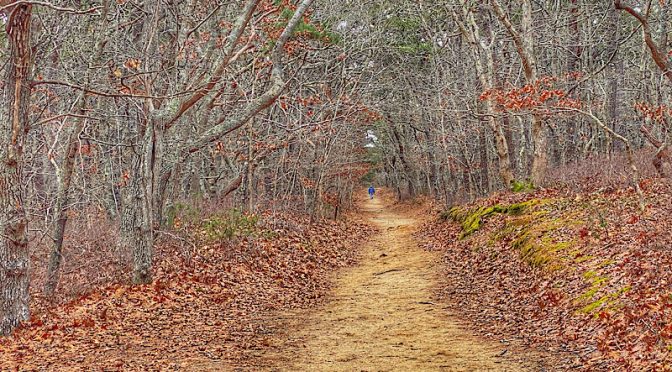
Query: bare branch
[50,6]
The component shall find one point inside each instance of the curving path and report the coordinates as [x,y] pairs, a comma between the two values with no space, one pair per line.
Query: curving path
[381,316]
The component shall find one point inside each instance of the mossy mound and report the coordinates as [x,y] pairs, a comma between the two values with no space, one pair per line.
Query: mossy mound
[530,226]
[472,219]
[536,234]
[536,228]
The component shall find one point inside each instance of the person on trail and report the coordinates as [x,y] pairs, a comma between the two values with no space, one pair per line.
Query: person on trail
[371,191]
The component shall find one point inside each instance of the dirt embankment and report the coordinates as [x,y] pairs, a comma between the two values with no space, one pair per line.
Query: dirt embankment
[584,275]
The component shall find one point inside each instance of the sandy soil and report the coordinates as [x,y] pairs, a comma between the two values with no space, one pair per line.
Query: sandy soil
[381,316]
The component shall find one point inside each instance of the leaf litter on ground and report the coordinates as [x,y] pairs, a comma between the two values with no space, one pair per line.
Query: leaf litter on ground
[603,300]
[208,306]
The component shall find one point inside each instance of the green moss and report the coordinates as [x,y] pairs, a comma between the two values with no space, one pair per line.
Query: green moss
[583,258]
[521,240]
[517,209]
[604,301]
[456,214]
[533,233]
[540,252]
[528,225]
[561,246]
[519,222]
[600,280]
[537,247]
[589,274]
[536,257]
[589,294]
[594,305]
[472,221]
[606,263]
[522,186]
[598,283]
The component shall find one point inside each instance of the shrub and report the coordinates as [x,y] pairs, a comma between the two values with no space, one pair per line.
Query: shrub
[229,225]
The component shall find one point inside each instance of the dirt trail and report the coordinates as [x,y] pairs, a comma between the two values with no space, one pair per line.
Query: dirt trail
[381,316]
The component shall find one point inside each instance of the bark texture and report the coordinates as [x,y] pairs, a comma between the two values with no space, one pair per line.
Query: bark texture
[14,257]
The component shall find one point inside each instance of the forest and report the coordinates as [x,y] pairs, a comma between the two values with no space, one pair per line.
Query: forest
[183,184]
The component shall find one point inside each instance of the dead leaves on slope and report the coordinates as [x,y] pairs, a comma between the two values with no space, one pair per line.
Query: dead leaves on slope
[207,309]
[608,306]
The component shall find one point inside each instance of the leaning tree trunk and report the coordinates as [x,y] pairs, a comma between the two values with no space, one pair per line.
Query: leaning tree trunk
[64,176]
[14,257]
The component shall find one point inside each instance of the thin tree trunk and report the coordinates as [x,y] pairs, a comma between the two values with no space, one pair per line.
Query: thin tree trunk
[524,42]
[486,76]
[64,179]
[249,169]
[485,177]
[64,176]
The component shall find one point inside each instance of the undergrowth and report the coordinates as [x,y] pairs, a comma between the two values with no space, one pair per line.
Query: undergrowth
[229,225]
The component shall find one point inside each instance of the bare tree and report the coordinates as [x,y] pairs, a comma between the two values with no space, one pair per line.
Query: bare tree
[524,41]
[14,257]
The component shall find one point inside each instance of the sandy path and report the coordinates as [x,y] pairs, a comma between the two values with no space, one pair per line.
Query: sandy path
[381,316]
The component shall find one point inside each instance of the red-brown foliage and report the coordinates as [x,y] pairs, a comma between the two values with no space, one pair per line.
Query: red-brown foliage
[618,264]
[204,305]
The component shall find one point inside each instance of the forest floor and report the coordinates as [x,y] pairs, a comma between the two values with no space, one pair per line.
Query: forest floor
[383,314]
[328,296]
[206,308]
[582,274]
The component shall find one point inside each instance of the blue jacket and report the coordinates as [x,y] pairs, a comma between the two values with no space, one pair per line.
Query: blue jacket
[371,190]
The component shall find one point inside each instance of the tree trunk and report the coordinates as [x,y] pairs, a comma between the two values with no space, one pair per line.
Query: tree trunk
[613,112]
[137,235]
[486,75]
[485,176]
[408,170]
[61,210]
[540,154]
[524,42]
[573,65]
[249,169]
[14,256]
